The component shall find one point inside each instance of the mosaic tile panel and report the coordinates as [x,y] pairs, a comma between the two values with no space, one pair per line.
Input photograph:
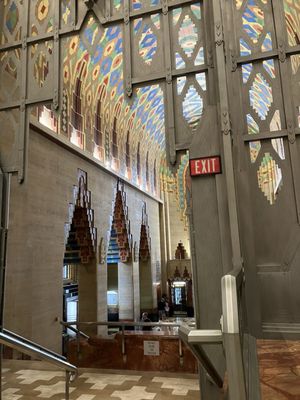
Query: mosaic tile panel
[67,12]
[137,5]
[10,75]
[95,57]
[187,29]
[41,17]
[262,109]
[292,20]
[191,99]
[40,71]
[255,32]
[269,176]
[11,21]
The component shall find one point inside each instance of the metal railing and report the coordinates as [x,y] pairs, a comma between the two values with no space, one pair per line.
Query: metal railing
[232,293]
[121,326]
[32,349]
[231,337]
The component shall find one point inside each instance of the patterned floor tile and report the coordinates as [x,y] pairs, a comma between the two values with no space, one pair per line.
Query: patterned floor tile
[100,381]
[10,394]
[29,376]
[136,393]
[34,380]
[47,391]
[179,386]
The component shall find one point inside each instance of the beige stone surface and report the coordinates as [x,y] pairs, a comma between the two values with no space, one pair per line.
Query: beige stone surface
[37,214]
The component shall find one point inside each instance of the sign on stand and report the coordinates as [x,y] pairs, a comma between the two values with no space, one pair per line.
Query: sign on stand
[151,348]
[205,166]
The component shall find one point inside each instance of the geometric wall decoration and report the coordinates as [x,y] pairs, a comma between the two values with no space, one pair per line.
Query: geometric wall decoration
[192,107]
[261,96]
[269,178]
[120,239]
[80,234]
[253,21]
[292,18]
[188,36]
[147,45]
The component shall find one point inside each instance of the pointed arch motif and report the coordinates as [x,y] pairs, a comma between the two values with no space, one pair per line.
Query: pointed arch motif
[127,151]
[98,151]
[147,171]
[154,177]
[138,163]
[120,239]
[145,241]
[77,125]
[80,233]
[114,139]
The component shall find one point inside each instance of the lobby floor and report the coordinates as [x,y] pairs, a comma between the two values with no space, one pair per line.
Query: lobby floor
[279,363]
[26,380]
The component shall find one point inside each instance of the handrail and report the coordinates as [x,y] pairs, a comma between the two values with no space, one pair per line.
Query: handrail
[38,346]
[33,350]
[75,330]
[25,346]
[195,339]
[121,323]
[231,284]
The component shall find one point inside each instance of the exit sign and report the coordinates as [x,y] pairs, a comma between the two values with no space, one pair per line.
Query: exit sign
[205,166]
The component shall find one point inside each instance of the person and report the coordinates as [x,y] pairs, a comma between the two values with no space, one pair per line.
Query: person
[145,318]
[162,307]
[167,308]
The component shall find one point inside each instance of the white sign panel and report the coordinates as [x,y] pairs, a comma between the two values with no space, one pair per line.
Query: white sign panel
[151,348]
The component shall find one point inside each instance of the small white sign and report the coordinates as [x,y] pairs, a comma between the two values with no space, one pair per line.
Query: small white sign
[151,348]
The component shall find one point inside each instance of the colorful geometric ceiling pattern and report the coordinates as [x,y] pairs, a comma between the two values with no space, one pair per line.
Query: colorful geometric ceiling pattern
[93,73]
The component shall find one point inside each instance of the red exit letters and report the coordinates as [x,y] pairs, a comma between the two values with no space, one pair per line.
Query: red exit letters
[205,166]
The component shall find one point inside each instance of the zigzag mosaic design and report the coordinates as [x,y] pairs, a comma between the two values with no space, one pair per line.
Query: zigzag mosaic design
[120,240]
[145,241]
[80,233]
